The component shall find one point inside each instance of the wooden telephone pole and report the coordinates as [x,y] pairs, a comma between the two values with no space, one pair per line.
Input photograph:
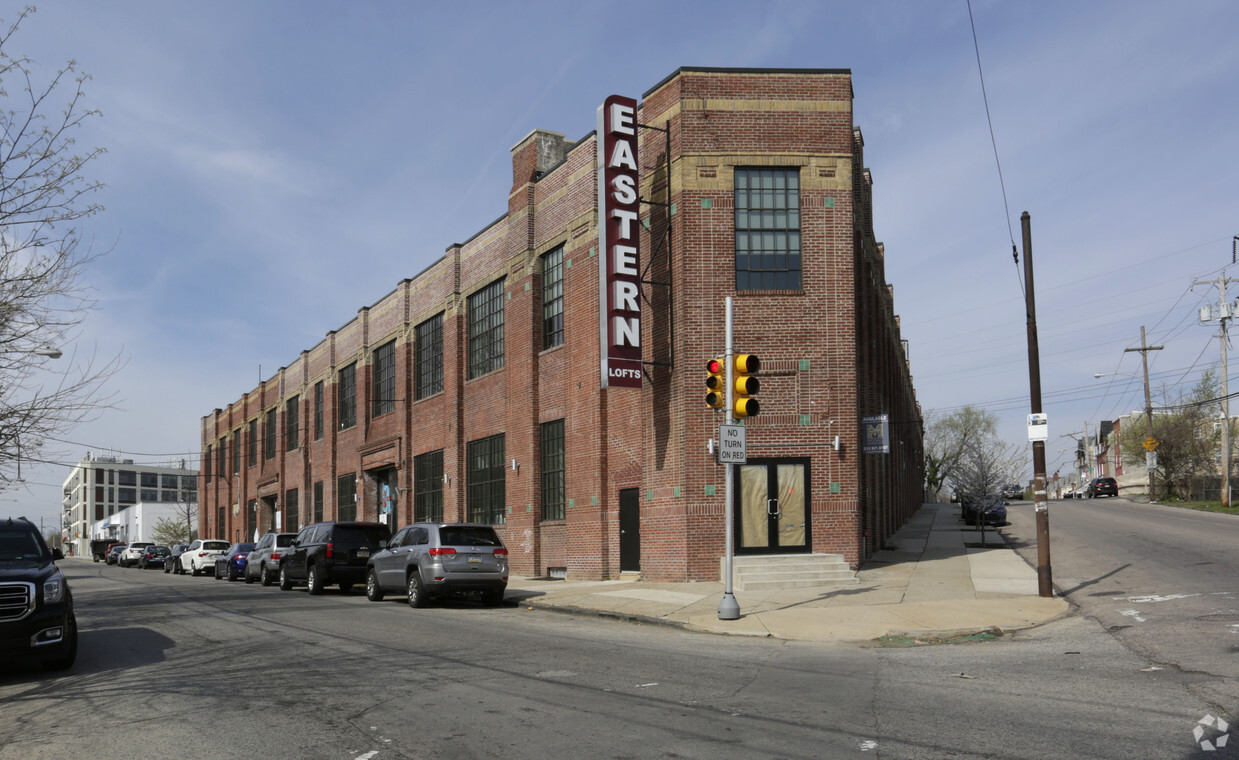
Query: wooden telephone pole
[1045,577]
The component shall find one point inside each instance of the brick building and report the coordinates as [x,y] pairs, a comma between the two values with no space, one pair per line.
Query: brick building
[476,391]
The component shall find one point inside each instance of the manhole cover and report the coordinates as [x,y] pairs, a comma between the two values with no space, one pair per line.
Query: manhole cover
[1221,617]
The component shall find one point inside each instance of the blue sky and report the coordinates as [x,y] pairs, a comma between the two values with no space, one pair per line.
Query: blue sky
[274,166]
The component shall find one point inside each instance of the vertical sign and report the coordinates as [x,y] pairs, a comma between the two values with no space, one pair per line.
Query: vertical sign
[619,269]
[876,434]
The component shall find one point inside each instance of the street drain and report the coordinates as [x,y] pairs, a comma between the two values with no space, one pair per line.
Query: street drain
[1107,593]
[1220,617]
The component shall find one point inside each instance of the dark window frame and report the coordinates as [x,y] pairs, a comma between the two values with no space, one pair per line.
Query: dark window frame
[487,480]
[346,397]
[768,246]
[428,487]
[251,455]
[553,298]
[429,350]
[318,411]
[269,434]
[553,470]
[383,379]
[486,322]
[292,423]
[346,497]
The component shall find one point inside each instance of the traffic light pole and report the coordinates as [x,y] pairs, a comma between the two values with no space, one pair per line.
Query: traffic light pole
[728,608]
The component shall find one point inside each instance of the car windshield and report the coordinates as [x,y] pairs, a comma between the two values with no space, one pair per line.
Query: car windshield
[220,546]
[471,536]
[20,546]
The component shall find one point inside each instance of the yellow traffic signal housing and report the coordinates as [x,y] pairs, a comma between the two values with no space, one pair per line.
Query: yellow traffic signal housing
[716,384]
[745,385]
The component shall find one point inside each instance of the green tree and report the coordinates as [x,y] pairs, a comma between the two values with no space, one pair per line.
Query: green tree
[949,437]
[1188,438]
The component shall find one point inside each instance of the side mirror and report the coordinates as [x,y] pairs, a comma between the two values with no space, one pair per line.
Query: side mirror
[57,553]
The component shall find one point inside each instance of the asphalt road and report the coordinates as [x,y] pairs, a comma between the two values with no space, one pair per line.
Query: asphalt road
[1163,580]
[174,666]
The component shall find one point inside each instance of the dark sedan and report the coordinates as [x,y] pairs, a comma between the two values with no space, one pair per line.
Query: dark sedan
[154,556]
[232,564]
[991,511]
[173,563]
[114,553]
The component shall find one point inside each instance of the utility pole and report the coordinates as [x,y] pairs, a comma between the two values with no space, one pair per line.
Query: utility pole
[1224,313]
[1144,350]
[1045,580]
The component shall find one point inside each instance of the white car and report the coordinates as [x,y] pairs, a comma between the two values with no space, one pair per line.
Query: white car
[201,554]
[133,552]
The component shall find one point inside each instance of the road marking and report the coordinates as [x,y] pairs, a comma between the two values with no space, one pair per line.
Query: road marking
[1156,598]
[1132,614]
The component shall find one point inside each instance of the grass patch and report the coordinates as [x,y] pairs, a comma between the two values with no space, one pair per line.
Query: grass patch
[1201,506]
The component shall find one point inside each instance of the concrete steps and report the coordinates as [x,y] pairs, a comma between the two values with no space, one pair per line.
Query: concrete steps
[789,571]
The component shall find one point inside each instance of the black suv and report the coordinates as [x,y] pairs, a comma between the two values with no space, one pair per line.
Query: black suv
[331,552]
[1102,487]
[36,606]
[426,560]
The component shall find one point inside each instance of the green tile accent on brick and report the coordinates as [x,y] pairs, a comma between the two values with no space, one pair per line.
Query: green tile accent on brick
[646,222]
[568,264]
[595,500]
[710,490]
[828,203]
[509,296]
[526,288]
[509,509]
[592,251]
[673,209]
[834,488]
[806,419]
[649,494]
[707,203]
[571,503]
[804,365]
[528,507]
[677,492]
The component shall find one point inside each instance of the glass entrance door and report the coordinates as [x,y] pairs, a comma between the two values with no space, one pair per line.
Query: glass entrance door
[772,506]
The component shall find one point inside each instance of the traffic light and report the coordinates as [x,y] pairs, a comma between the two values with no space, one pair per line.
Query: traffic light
[745,385]
[716,384]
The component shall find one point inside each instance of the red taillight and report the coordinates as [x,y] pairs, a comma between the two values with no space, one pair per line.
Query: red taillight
[331,547]
[501,552]
[242,556]
[441,551]
[275,555]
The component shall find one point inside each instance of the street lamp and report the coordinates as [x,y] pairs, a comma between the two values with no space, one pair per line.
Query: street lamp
[1148,411]
[48,351]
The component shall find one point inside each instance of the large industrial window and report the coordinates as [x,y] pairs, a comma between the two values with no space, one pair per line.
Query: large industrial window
[346,497]
[236,451]
[768,229]
[553,298]
[252,455]
[553,470]
[292,422]
[318,501]
[318,411]
[222,459]
[383,374]
[486,330]
[292,510]
[206,465]
[346,397]
[428,487]
[268,439]
[429,357]
[486,480]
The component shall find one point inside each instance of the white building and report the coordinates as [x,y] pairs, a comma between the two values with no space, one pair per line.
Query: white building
[137,523]
[100,487]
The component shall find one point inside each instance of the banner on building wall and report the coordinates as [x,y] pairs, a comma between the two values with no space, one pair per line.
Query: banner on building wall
[619,225]
[875,432]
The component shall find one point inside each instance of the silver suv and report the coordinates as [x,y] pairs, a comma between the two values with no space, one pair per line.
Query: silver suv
[427,560]
[263,563]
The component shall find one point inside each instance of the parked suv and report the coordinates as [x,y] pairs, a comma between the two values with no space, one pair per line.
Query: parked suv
[36,606]
[425,560]
[201,555]
[263,563]
[331,552]
[1102,487]
[132,553]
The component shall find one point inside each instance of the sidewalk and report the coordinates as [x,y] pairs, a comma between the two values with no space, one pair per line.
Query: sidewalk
[926,585]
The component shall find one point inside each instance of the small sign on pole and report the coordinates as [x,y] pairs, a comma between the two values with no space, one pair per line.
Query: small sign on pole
[1038,427]
[732,444]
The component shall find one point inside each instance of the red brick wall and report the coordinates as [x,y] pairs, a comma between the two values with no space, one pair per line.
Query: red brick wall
[831,351]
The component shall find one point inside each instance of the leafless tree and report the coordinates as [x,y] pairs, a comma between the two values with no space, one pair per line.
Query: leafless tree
[44,295]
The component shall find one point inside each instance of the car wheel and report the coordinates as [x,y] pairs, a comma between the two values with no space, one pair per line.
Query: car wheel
[286,583]
[493,598]
[232,575]
[167,568]
[248,578]
[416,593]
[264,577]
[373,591]
[65,662]
[193,569]
[314,584]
